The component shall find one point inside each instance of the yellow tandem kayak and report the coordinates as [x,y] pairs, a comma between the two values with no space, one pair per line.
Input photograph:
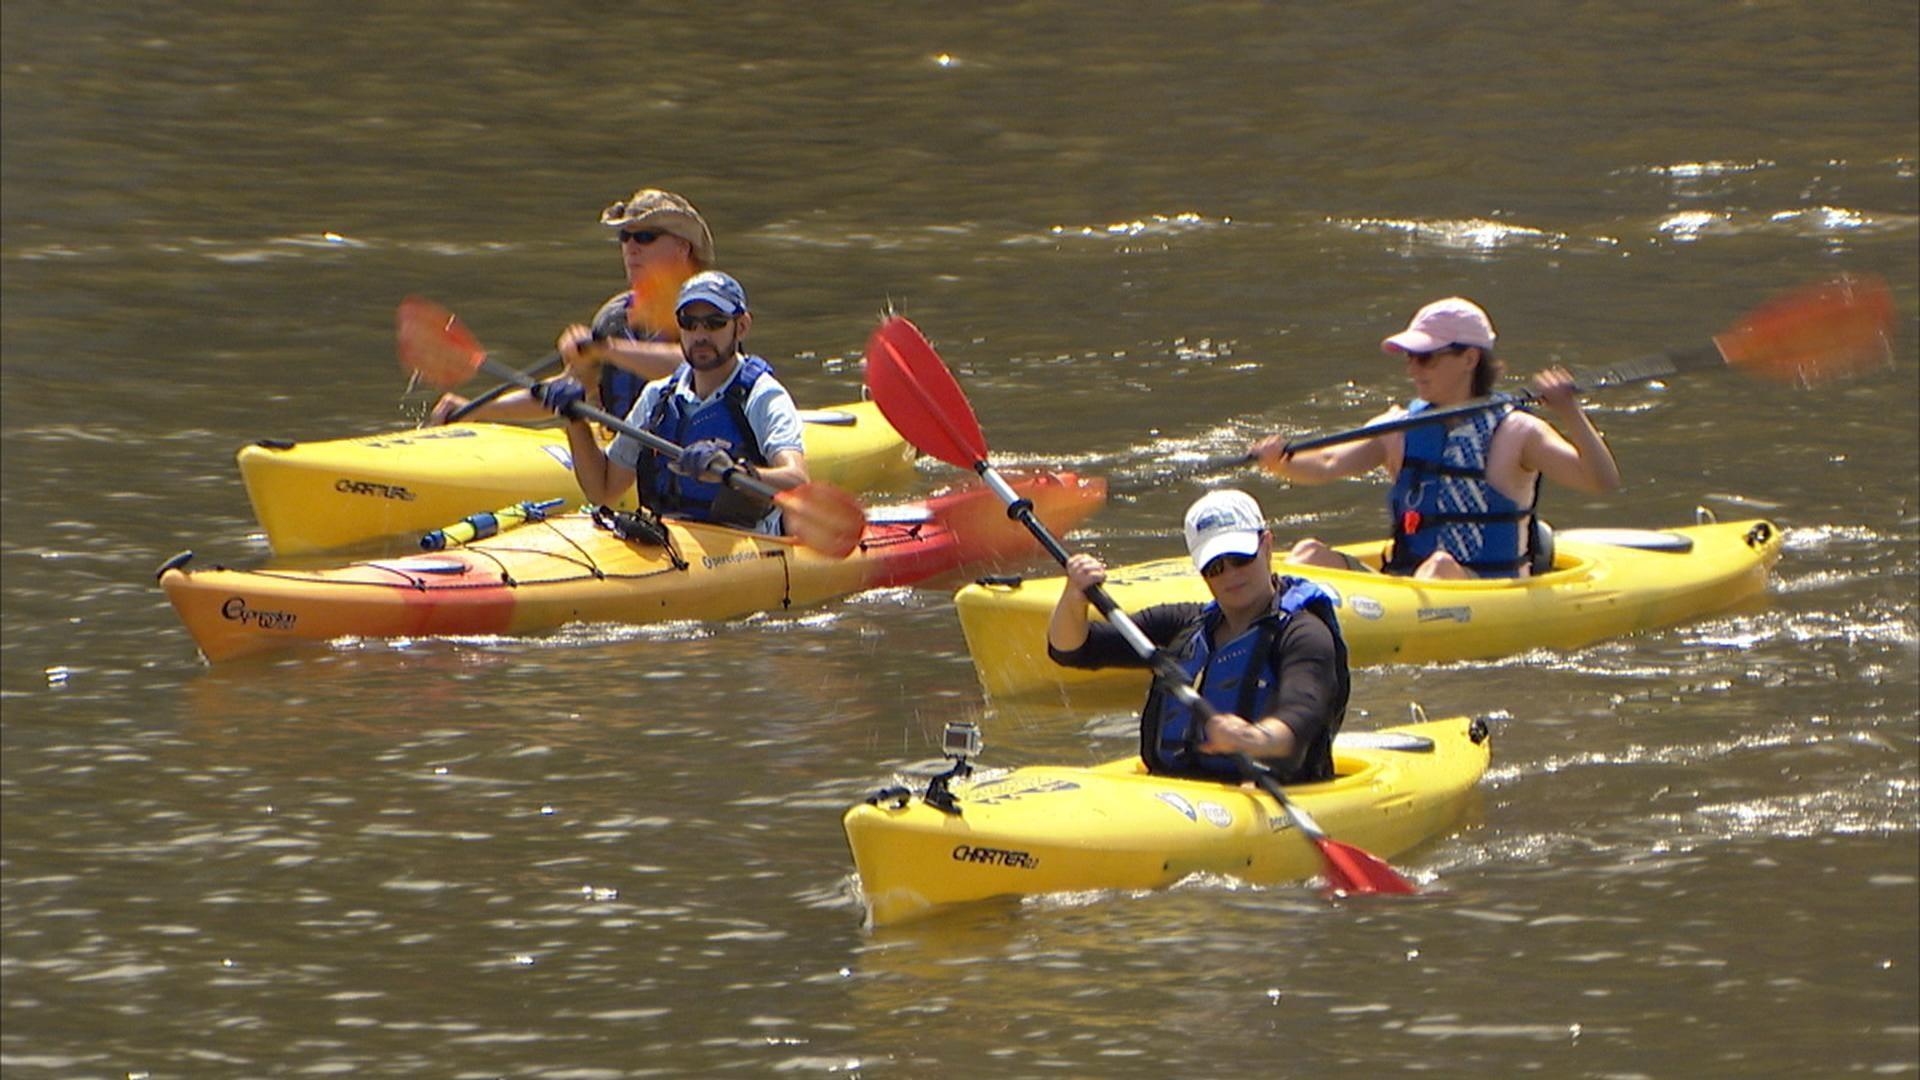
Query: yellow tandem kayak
[1043,829]
[1604,583]
[332,493]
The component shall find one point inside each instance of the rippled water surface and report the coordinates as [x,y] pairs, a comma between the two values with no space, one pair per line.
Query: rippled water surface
[1139,238]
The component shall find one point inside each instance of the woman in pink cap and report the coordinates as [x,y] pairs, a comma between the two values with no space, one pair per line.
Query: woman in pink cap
[1464,491]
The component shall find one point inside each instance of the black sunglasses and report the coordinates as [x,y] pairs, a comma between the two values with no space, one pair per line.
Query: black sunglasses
[1424,357]
[1221,564]
[702,322]
[643,237]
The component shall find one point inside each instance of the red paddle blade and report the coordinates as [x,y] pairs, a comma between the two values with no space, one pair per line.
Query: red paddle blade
[434,344]
[917,395]
[823,517]
[1351,871]
[1825,331]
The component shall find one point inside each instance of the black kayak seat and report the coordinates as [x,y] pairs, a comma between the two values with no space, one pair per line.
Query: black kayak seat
[1540,541]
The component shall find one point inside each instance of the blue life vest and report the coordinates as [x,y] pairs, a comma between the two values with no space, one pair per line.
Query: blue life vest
[1441,500]
[669,492]
[620,388]
[1242,678]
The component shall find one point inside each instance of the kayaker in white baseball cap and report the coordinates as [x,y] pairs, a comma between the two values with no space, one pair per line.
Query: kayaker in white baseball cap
[1266,653]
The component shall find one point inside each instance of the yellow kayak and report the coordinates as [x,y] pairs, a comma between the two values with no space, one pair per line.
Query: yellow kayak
[1044,829]
[333,493]
[1604,582]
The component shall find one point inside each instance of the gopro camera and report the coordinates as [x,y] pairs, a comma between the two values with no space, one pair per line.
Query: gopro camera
[961,739]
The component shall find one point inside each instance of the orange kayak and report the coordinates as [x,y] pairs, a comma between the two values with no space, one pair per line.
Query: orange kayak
[565,569]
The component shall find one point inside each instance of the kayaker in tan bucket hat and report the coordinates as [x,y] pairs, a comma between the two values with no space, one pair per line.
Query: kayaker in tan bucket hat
[632,339]
[651,209]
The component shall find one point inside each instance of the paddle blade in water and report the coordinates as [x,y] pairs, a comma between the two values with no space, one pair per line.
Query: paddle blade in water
[1825,331]
[1351,871]
[434,344]
[917,395]
[823,517]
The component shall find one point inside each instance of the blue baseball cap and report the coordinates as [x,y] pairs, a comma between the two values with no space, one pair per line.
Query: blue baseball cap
[715,288]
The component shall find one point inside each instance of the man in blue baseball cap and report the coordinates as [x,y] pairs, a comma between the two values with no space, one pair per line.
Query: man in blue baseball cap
[722,406]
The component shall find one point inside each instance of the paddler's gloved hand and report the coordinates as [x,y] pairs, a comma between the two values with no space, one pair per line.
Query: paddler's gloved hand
[559,395]
[701,458]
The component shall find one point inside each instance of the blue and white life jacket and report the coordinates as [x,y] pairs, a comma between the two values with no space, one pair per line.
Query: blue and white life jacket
[671,493]
[1241,677]
[1441,499]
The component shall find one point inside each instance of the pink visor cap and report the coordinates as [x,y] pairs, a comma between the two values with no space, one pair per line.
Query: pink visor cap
[1453,321]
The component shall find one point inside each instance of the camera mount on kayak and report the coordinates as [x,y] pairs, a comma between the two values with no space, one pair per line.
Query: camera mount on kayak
[960,740]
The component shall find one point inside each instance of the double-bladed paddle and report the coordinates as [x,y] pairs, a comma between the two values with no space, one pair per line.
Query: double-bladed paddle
[435,345]
[919,396]
[1814,334]
[551,363]
[651,305]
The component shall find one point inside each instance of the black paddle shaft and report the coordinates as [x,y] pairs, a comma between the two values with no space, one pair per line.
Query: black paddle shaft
[553,360]
[734,477]
[1645,369]
[541,368]
[1166,671]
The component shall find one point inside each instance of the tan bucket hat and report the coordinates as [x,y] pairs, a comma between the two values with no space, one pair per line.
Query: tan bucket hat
[651,208]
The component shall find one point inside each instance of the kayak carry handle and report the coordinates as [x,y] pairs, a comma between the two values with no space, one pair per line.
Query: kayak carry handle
[174,563]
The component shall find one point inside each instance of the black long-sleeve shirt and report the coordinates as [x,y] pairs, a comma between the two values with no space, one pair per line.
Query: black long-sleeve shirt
[1313,687]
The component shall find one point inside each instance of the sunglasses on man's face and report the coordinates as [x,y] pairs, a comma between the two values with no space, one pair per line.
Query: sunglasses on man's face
[643,237]
[1427,357]
[1221,564]
[708,323]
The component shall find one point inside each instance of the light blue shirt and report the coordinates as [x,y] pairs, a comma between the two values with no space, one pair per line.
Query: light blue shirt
[770,412]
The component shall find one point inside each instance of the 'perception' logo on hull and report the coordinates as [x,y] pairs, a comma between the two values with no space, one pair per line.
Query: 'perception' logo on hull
[236,610]
[711,561]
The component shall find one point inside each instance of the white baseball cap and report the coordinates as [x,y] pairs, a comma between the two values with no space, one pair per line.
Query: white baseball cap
[1223,522]
[1453,321]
